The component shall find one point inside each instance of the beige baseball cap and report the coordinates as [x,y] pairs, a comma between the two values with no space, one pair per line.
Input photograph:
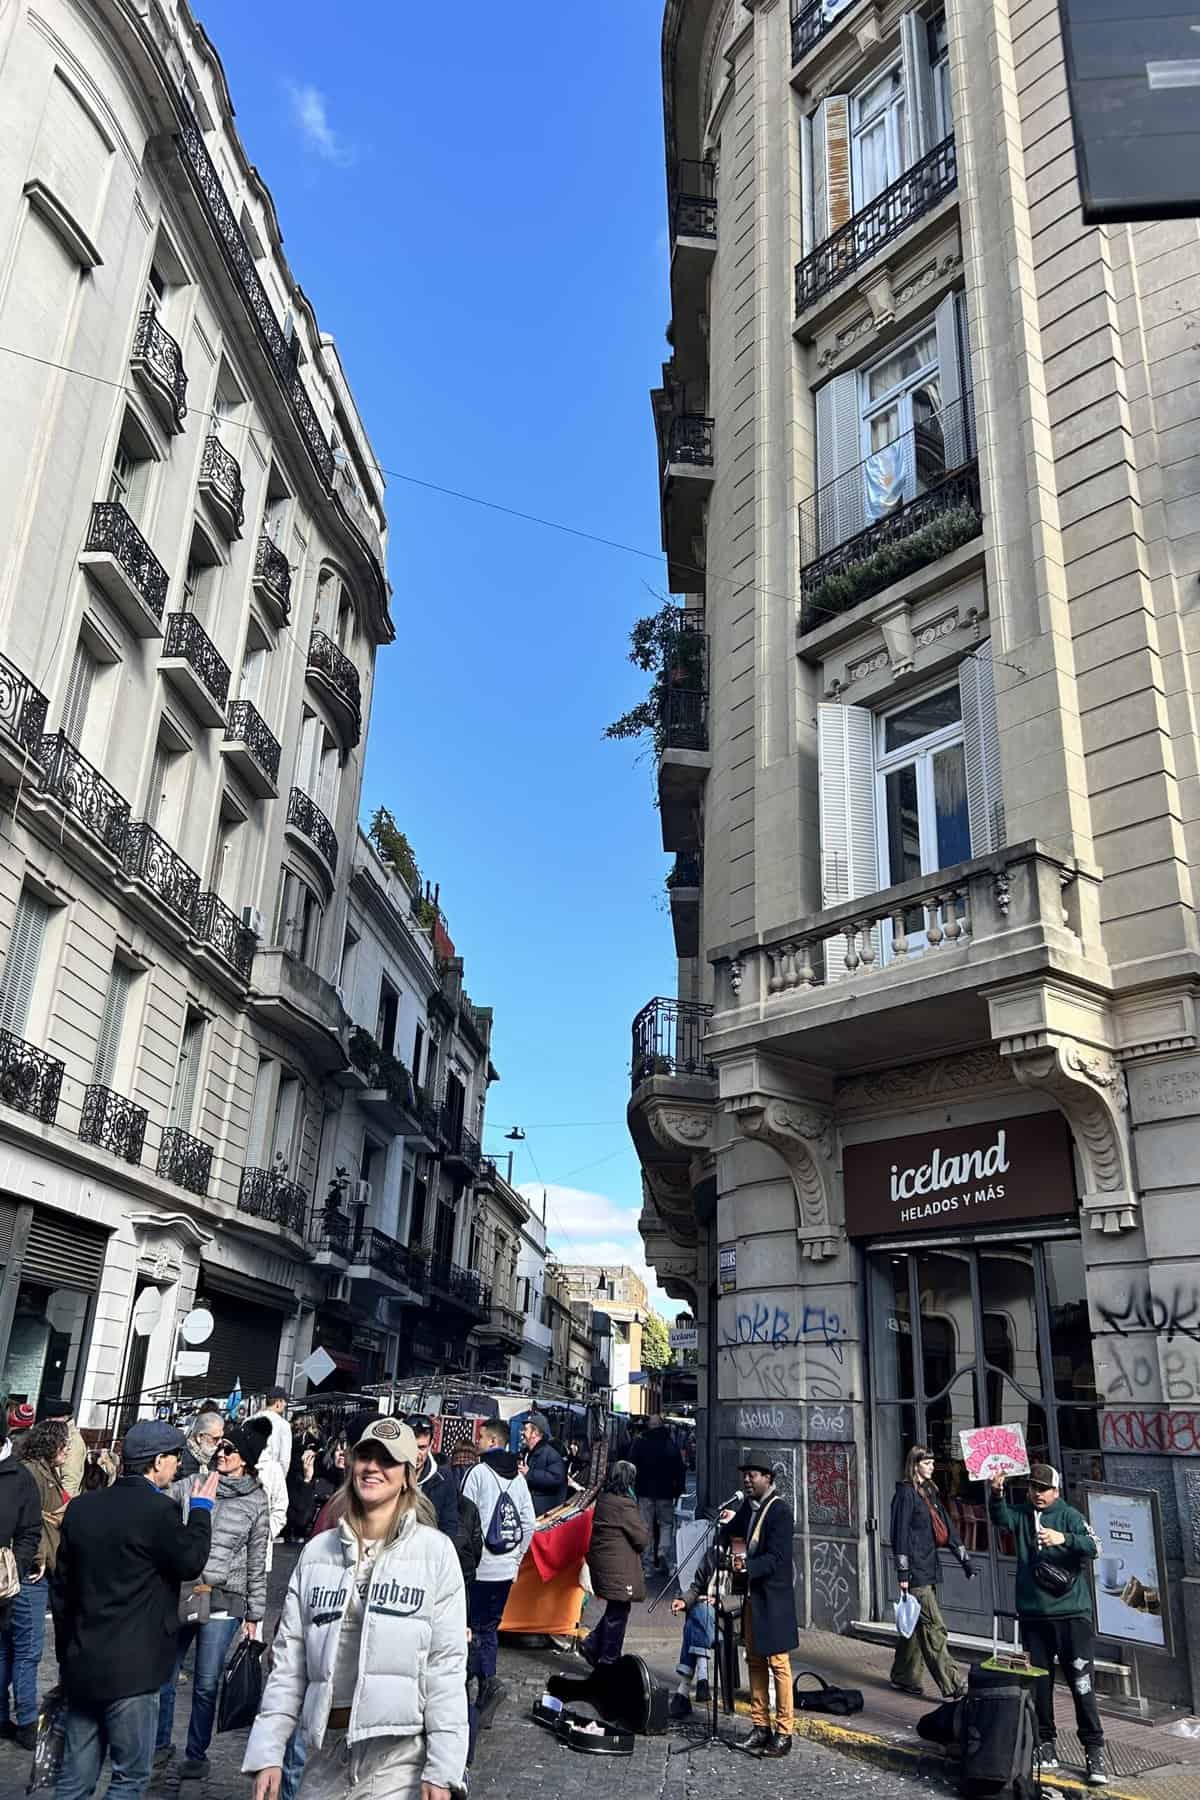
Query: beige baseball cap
[393,1438]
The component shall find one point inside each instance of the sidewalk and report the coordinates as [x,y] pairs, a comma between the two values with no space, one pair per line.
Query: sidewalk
[1145,1762]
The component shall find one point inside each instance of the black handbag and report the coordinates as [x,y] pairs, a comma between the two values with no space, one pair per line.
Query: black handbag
[1054,1578]
[839,1701]
[241,1687]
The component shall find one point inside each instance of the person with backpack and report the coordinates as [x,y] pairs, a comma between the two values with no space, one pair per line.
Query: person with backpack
[619,1536]
[506,1517]
[921,1528]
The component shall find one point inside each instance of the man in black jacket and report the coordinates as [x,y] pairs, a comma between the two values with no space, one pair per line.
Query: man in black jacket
[436,1485]
[123,1555]
[542,1466]
[660,1481]
[764,1521]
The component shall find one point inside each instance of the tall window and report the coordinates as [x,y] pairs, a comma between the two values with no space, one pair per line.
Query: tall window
[299,923]
[903,439]
[200,579]
[187,1071]
[80,682]
[128,481]
[112,1023]
[26,944]
[164,791]
[226,871]
[286,1123]
[878,135]
[385,1024]
[921,779]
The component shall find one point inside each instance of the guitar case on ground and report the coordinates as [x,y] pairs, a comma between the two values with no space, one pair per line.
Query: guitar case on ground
[624,1693]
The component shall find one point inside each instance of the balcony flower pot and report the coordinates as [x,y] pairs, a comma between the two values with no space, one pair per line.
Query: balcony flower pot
[890,562]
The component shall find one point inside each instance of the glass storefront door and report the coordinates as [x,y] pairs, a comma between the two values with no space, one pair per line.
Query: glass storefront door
[991,1333]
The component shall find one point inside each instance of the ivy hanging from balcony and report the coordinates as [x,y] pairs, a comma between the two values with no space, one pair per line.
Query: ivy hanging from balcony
[670,646]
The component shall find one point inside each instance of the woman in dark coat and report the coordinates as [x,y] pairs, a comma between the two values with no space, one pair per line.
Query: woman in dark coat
[615,1561]
[920,1528]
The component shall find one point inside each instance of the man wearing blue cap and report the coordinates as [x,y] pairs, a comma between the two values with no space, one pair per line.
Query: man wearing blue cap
[123,1555]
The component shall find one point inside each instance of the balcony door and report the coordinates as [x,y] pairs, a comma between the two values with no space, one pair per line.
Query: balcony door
[921,796]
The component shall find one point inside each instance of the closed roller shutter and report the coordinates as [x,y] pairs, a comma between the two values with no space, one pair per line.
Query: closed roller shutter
[244,1347]
[64,1252]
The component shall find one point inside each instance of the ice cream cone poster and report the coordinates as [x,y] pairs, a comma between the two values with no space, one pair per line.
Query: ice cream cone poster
[994,1450]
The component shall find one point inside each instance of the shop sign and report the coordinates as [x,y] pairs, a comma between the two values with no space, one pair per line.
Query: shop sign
[727,1268]
[1132,1599]
[684,1337]
[969,1176]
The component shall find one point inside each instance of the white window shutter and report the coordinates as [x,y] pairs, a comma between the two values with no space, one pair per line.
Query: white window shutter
[25,944]
[981,743]
[954,378]
[832,193]
[840,504]
[187,1071]
[79,693]
[846,789]
[112,1022]
[918,87]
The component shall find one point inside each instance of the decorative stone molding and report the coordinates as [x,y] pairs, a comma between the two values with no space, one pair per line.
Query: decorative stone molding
[162,1241]
[803,1137]
[690,1129]
[921,1082]
[669,1192]
[1088,1085]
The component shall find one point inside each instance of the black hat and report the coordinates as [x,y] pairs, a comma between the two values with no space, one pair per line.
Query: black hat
[248,1443]
[55,1407]
[756,1464]
[278,1393]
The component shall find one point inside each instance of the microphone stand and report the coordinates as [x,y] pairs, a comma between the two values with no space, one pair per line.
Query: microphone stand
[724,1652]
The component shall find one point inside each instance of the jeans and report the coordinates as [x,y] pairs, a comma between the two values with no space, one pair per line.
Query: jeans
[927,1642]
[212,1646]
[1070,1642]
[21,1644]
[604,1641]
[294,1759]
[485,1609]
[699,1636]
[658,1516]
[125,1728]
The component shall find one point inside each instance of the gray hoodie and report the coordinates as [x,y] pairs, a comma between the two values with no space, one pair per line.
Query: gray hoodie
[241,1532]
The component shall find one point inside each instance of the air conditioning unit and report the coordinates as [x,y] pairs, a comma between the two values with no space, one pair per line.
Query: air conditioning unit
[252,920]
[362,1193]
[340,1289]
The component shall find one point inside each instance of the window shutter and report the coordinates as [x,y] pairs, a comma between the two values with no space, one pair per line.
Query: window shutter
[919,126]
[183,1100]
[954,378]
[78,694]
[981,743]
[832,194]
[840,506]
[25,943]
[112,1021]
[849,844]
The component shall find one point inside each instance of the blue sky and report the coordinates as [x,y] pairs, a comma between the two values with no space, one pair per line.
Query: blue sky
[475,206]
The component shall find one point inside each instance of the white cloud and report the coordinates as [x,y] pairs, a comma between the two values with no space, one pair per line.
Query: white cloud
[583,1227]
[310,114]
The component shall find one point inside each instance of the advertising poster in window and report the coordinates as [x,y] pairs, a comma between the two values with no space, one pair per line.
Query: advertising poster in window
[1132,1603]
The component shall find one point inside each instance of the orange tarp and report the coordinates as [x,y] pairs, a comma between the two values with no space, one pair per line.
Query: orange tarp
[551,1607]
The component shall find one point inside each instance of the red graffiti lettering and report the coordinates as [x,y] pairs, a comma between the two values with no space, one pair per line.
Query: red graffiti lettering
[1143,1429]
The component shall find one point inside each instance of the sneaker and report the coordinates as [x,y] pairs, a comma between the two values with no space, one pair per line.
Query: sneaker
[193,1768]
[25,1736]
[757,1740]
[162,1756]
[1096,1772]
[703,1693]
[1047,1756]
[780,1744]
[679,1707]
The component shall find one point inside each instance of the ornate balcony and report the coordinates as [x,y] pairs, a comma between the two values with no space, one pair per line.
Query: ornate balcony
[462,1146]
[504,1326]
[687,477]
[89,801]
[221,485]
[811,20]
[377,1254]
[281,350]
[305,817]
[335,677]
[157,362]
[252,749]
[185,1160]
[691,442]
[113,1123]
[119,560]
[668,1040]
[462,1286]
[22,724]
[683,759]
[694,204]
[266,1194]
[273,579]
[150,862]
[358,513]
[217,927]
[885,218]
[899,510]
[301,1004]
[30,1081]
[191,663]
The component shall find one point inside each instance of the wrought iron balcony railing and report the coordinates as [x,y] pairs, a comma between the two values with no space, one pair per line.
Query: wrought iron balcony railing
[691,440]
[328,659]
[272,568]
[154,346]
[112,1122]
[901,508]
[463,1285]
[281,350]
[812,20]
[30,1081]
[387,1255]
[187,638]
[87,798]
[112,532]
[668,1039]
[266,1194]
[219,927]
[883,219]
[220,469]
[358,512]
[694,203]
[185,1160]
[685,719]
[150,859]
[246,725]
[683,685]
[22,708]
[308,818]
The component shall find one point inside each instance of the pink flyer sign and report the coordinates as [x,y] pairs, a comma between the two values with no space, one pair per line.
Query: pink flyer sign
[994,1450]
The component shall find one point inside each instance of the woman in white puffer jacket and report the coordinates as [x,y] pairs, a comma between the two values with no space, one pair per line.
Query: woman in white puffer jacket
[370,1659]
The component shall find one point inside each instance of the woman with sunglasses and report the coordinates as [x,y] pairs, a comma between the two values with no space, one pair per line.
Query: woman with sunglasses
[231,1594]
[371,1654]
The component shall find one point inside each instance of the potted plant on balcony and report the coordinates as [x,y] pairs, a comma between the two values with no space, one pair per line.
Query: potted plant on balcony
[662,645]
[363,1051]
[844,589]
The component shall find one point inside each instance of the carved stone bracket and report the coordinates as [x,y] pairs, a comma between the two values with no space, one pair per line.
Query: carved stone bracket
[1088,1084]
[669,1192]
[681,1128]
[803,1136]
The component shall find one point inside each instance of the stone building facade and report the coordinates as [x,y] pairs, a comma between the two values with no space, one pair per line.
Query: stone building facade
[919,1127]
[192,593]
